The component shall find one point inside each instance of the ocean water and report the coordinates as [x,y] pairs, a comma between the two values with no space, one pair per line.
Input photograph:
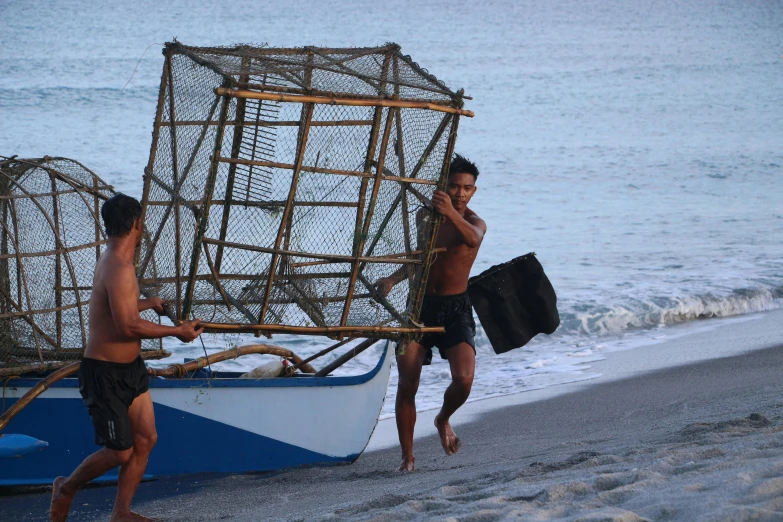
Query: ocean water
[636,147]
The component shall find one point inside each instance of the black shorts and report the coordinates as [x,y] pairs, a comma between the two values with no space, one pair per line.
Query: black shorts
[455,314]
[108,389]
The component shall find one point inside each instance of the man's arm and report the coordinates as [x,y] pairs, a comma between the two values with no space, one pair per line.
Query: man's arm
[385,284]
[471,227]
[154,303]
[124,303]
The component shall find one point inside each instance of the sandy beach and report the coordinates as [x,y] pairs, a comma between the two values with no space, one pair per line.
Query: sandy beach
[694,441]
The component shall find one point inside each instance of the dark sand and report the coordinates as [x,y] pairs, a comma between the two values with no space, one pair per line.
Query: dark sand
[696,442]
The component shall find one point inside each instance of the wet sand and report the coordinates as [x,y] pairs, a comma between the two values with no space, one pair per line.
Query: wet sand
[702,441]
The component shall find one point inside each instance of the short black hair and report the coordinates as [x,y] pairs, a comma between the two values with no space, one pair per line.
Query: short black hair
[462,164]
[119,213]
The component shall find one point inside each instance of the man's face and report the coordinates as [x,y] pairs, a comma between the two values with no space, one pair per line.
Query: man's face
[460,187]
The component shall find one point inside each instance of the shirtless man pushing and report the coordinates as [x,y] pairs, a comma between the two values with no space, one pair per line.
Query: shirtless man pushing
[446,304]
[113,378]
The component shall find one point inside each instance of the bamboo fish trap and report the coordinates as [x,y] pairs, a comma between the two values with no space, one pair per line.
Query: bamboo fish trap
[283,183]
[50,240]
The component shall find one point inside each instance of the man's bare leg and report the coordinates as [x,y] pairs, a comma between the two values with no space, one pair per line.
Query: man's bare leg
[462,361]
[409,367]
[142,419]
[63,489]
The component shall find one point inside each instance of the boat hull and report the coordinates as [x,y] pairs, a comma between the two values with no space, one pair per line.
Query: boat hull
[227,425]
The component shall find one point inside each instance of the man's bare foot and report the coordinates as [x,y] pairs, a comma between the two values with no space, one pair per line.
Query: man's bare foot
[130,516]
[448,438]
[407,464]
[61,503]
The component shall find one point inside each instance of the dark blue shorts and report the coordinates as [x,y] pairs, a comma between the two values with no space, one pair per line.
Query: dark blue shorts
[455,314]
[108,389]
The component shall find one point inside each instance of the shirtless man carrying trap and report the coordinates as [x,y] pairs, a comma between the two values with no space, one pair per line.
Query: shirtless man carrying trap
[446,303]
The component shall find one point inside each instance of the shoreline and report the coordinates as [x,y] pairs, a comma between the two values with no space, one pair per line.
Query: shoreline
[715,338]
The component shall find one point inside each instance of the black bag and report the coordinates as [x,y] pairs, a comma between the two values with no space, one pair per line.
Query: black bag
[514,302]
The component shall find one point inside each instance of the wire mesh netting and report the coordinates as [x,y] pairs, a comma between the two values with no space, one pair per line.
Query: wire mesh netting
[283,183]
[50,241]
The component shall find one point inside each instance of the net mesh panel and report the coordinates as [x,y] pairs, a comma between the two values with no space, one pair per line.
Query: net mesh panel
[281,245]
[50,241]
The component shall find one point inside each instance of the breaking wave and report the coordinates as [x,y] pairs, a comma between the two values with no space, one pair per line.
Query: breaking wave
[665,311]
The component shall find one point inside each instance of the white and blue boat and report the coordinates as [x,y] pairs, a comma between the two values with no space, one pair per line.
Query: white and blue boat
[209,422]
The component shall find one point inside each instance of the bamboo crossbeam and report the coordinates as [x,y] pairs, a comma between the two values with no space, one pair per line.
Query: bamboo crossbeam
[383,331]
[321,170]
[338,299]
[401,254]
[274,51]
[245,277]
[42,194]
[337,258]
[263,204]
[180,370]
[290,98]
[53,252]
[344,358]
[324,352]
[271,123]
[265,87]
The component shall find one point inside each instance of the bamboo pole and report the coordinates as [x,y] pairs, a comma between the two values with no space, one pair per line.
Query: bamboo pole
[35,391]
[323,352]
[223,91]
[322,170]
[436,222]
[216,277]
[42,194]
[180,370]
[175,203]
[247,277]
[307,117]
[379,331]
[53,252]
[58,293]
[273,123]
[347,356]
[337,258]
[274,205]
[291,300]
[142,267]
[204,218]
[360,240]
